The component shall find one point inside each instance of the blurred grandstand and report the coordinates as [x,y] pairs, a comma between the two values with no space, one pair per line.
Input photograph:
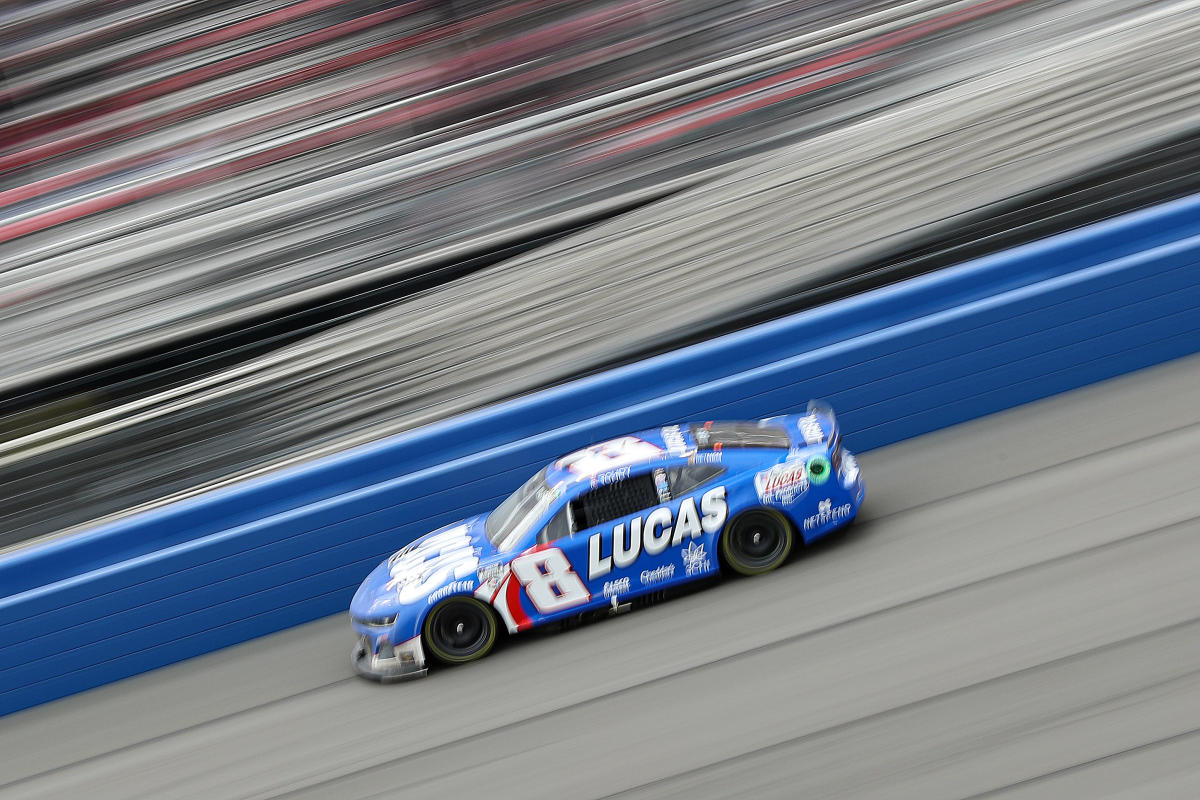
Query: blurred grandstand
[234,235]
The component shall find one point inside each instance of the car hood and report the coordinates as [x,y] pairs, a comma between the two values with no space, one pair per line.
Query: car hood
[440,563]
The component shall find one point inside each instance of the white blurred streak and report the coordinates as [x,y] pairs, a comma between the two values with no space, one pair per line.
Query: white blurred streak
[962,124]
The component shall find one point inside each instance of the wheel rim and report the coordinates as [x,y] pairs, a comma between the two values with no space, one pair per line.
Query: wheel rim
[759,541]
[460,630]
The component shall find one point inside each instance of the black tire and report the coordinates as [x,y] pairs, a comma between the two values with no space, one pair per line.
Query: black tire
[758,541]
[460,629]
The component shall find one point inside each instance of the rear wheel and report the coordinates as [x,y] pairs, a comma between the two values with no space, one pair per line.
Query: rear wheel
[460,629]
[757,542]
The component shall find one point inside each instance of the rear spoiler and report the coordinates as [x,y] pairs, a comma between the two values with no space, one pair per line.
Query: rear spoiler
[826,427]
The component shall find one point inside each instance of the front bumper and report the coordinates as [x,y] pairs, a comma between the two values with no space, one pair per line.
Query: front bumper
[404,662]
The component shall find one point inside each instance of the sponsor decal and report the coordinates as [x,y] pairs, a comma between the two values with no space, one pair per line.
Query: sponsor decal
[658,574]
[655,532]
[849,468]
[782,483]
[818,470]
[827,513]
[695,559]
[428,563]
[608,455]
[661,486]
[454,587]
[614,588]
[612,476]
[710,457]
[810,429]
[673,439]
[490,578]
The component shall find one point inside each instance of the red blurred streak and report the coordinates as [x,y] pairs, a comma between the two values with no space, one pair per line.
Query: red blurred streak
[221,35]
[66,179]
[16,59]
[94,135]
[409,81]
[47,122]
[342,133]
[871,47]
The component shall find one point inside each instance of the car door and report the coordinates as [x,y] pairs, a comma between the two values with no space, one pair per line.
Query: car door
[547,575]
[699,508]
[599,533]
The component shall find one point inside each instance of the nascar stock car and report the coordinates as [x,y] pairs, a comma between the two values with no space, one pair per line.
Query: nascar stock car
[604,525]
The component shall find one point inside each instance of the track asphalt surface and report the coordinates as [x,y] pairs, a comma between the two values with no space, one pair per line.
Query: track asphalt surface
[1015,615]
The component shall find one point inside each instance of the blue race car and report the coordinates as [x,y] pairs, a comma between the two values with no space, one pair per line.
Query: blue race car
[604,525]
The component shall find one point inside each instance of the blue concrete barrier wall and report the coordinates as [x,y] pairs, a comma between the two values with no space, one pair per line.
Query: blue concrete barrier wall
[897,362]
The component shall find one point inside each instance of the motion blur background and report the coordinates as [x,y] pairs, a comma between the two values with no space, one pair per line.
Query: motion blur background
[241,235]
[234,235]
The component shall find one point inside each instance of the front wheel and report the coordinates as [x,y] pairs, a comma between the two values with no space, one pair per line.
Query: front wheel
[460,629]
[757,542]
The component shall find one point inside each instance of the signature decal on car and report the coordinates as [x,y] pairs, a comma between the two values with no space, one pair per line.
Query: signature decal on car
[658,574]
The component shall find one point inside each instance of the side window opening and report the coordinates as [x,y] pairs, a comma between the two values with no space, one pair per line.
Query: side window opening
[685,479]
[558,526]
[606,503]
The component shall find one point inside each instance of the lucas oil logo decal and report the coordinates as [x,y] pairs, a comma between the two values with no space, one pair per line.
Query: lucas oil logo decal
[655,533]
[782,483]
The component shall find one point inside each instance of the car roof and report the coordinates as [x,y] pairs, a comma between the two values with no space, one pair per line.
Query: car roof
[638,452]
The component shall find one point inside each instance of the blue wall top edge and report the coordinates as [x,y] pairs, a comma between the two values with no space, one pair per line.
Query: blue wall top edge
[285,489]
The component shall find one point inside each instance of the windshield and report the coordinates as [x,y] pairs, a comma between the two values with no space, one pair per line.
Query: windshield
[513,518]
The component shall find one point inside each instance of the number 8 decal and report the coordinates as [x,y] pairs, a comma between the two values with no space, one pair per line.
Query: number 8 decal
[549,581]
